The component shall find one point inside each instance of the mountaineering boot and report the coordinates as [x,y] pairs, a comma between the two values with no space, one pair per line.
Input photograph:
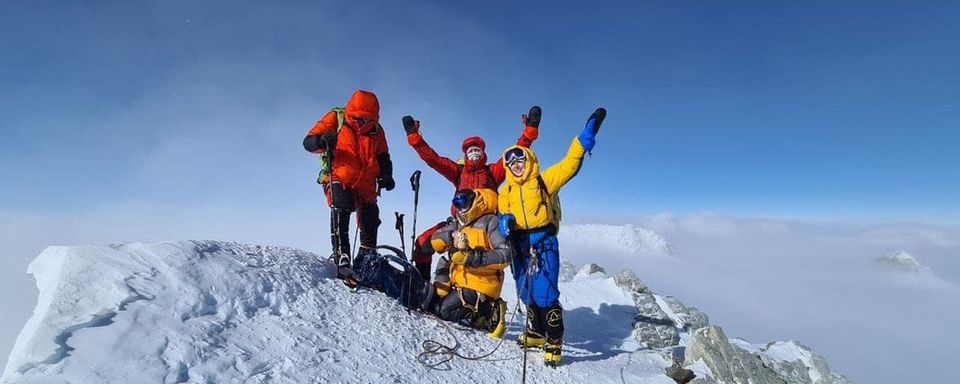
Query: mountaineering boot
[498,320]
[345,272]
[533,336]
[531,339]
[551,354]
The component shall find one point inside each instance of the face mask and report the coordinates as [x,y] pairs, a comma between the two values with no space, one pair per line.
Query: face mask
[474,153]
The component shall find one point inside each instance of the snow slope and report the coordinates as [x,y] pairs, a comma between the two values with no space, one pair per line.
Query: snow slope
[215,312]
[222,312]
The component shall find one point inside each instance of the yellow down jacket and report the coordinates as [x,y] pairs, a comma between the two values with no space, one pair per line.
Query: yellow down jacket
[480,265]
[522,195]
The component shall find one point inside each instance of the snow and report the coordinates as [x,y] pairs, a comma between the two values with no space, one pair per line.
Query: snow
[700,369]
[627,238]
[903,261]
[787,351]
[204,311]
[784,352]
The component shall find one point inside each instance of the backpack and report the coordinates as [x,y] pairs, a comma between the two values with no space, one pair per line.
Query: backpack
[326,159]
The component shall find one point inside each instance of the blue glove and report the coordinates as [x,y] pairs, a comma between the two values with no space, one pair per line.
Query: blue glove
[588,138]
[505,223]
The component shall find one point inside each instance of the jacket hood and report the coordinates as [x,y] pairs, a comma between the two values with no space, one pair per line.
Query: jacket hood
[530,170]
[484,203]
[471,142]
[363,104]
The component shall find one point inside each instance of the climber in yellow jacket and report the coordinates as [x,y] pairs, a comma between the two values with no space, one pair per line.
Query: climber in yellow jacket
[468,284]
[530,217]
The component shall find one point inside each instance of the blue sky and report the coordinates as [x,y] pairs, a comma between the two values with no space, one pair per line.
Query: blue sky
[834,111]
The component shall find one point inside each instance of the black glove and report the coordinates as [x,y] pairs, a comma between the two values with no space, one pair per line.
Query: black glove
[386,183]
[410,125]
[328,139]
[598,115]
[532,118]
[324,141]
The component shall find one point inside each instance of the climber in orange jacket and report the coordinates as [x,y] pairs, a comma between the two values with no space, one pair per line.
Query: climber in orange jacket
[355,164]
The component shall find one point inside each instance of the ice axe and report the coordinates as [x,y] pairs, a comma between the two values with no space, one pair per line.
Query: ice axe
[415,184]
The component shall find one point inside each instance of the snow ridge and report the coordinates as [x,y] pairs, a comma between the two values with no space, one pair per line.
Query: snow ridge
[206,311]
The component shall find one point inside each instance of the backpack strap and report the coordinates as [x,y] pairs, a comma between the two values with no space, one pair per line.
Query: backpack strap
[326,159]
[543,186]
[341,116]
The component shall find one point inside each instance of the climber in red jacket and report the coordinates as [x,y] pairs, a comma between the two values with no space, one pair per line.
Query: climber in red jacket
[471,172]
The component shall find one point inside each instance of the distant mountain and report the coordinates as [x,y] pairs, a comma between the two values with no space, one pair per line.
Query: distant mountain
[627,238]
[902,261]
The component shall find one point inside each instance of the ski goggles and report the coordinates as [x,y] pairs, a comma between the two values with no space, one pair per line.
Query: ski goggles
[514,155]
[463,199]
[360,122]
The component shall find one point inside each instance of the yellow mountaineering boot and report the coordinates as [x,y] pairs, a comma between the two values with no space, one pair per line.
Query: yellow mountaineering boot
[551,354]
[531,339]
[498,320]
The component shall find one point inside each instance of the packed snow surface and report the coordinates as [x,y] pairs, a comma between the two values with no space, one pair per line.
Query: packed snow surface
[214,312]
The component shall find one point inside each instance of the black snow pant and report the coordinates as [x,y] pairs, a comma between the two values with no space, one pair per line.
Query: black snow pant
[468,307]
[344,202]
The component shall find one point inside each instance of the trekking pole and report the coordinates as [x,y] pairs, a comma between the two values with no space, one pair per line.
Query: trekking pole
[399,227]
[415,184]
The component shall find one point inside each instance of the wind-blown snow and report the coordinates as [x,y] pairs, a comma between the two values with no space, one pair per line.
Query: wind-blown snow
[222,312]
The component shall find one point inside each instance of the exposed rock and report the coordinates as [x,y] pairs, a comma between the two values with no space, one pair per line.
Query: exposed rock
[703,380]
[590,269]
[652,326]
[567,270]
[692,318]
[727,362]
[679,374]
[628,280]
[797,363]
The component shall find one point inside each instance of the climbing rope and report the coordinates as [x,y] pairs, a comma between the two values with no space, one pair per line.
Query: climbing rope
[433,349]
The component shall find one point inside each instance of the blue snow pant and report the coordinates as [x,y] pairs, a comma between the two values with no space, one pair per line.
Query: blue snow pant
[537,274]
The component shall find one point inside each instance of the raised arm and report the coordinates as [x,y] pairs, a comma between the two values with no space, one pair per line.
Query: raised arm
[444,166]
[531,130]
[560,173]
